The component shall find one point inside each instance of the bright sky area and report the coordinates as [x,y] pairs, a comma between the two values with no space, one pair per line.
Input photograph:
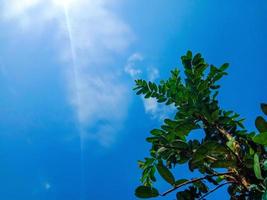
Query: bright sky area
[70,125]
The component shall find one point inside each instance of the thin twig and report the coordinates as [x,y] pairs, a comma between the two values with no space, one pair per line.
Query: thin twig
[194,180]
[214,189]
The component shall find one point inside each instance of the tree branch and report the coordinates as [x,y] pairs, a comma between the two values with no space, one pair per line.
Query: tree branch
[235,152]
[214,189]
[195,180]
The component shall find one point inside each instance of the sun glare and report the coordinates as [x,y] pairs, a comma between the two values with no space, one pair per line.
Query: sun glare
[64,3]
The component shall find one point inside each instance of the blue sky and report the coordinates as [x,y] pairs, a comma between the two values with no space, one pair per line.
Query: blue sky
[71,128]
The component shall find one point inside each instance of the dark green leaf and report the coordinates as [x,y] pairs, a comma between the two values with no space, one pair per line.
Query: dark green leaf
[264,108]
[179,144]
[148,94]
[209,148]
[189,54]
[156,132]
[211,152]
[224,66]
[151,139]
[170,122]
[161,99]
[215,115]
[185,195]
[218,77]
[261,124]
[201,186]
[140,92]
[223,164]
[146,192]
[197,59]
[165,173]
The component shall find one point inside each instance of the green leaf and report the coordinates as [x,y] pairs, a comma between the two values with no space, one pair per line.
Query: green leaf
[261,124]
[170,122]
[179,144]
[148,95]
[256,166]
[230,143]
[161,149]
[140,91]
[156,132]
[185,195]
[141,163]
[211,152]
[201,186]
[197,59]
[215,115]
[223,164]
[189,54]
[217,77]
[165,173]
[146,192]
[151,139]
[161,99]
[251,151]
[224,66]
[220,179]
[260,138]
[264,108]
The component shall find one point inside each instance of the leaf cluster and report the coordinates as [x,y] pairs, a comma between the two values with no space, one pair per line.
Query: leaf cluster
[226,146]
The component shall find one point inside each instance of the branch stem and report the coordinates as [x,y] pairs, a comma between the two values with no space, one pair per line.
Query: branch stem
[193,181]
[214,189]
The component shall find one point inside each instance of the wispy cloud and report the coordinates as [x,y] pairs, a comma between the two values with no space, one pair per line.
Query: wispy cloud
[131,67]
[97,35]
[137,68]
[156,110]
[153,73]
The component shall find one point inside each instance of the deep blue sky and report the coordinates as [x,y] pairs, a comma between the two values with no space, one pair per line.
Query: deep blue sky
[70,126]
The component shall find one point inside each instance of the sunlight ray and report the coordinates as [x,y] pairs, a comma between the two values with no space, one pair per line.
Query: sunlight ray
[76,87]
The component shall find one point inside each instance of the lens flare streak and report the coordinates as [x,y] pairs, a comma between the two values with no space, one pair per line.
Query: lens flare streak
[76,88]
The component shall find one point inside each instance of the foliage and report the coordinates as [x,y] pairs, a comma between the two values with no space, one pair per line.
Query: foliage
[227,146]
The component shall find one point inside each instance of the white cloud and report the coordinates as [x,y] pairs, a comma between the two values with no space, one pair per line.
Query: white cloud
[131,67]
[136,67]
[157,110]
[97,35]
[151,106]
[153,73]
